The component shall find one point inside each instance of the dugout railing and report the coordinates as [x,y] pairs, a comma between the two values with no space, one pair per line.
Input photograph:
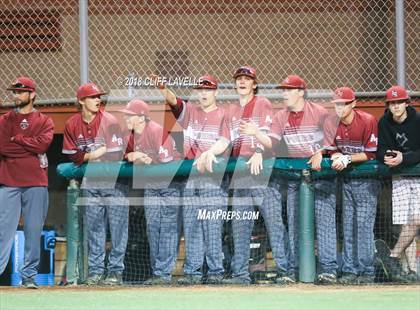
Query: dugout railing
[280,168]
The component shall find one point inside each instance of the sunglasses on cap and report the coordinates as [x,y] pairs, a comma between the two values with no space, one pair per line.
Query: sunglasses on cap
[245,71]
[207,83]
[20,85]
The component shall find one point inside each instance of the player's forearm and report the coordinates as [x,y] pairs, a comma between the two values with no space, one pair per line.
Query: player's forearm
[264,139]
[169,95]
[95,154]
[359,157]
[219,147]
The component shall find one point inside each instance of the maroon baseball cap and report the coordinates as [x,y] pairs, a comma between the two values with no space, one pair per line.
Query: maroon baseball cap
[396,93]
[23,83]
[136,107]
[344,95]
[88,90]
[292,82]
[245,70]
[206,82]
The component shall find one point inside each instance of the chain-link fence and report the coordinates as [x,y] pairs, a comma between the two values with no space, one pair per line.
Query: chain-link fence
[412,16]
[329,43]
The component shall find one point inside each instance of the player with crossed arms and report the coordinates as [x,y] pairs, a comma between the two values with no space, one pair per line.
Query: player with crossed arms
[25,135]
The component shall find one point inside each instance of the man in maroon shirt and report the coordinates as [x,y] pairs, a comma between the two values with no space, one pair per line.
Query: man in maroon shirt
[25,137]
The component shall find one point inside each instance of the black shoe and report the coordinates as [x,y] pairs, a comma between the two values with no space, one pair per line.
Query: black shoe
[365,279]
[214,279]
[94,279]
[158,281]
[348,279]
[189,280]
[113,278]
[327,278]
[285,279]
[29,283]
[236,281]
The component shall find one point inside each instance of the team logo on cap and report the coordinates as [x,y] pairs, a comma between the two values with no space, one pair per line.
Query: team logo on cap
[24,124]
[339,93]
[394,93]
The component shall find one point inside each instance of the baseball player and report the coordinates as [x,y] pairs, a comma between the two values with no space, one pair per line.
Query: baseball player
[300,126]
[95,135]
[355,141]
[242,120]
[148,144]
[203,238]
[399,146]
[25,136]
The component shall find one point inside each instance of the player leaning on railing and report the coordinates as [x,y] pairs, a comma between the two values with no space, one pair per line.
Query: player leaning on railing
[149,143]
[243,119]
[201,125]
[355,141]
[300,128]
[399,145]
[95,135]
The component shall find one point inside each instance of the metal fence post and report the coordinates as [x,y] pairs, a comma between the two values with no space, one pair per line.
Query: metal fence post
[400,41]
[73,233]
[84,41]
[307,266]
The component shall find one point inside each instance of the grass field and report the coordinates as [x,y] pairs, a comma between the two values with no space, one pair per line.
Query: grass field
[253,297]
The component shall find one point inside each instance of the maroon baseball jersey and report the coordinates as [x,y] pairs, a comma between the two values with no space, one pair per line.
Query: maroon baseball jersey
[260,111]
[155,142]
[20,165]
[301,131]
[360,136]
[81,137]
[201,129]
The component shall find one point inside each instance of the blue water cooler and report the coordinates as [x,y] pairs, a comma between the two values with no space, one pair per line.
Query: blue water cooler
[45,274]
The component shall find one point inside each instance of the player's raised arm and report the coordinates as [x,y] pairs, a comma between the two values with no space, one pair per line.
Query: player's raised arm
[169,95]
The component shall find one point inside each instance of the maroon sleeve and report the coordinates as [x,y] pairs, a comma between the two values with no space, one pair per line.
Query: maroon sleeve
[130,145]
[225,127]
[370,138]
[330,131]
[277,127]
[41,140]
[110,130]
[7,147]
[177,110]
[266,115]
[69,146]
